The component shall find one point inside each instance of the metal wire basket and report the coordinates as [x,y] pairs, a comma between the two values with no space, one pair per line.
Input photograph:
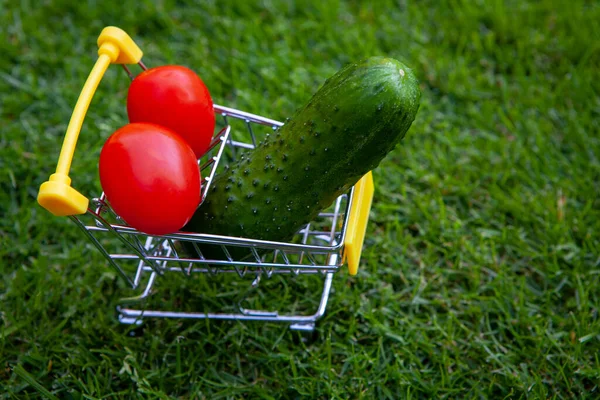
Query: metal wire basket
[320,248]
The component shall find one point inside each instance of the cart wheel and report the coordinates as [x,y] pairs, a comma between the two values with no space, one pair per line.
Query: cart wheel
[136,323]
[306,332]
[137,329]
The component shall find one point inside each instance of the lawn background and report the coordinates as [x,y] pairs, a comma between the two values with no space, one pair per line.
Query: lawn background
[480,275]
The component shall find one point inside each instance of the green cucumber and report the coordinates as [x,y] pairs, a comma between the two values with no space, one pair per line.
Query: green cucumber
[353,121]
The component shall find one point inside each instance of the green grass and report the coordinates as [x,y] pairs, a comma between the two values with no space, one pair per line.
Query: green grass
[480,275]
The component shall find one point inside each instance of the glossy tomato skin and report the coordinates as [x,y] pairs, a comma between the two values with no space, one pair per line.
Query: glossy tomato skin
[150,177]
[175,97]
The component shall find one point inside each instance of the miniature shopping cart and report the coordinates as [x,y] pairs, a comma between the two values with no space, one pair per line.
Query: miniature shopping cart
[319,249]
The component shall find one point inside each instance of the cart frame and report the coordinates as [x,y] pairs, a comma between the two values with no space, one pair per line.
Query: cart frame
[321,247]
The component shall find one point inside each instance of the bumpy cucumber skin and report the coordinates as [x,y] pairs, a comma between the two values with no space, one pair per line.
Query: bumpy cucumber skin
[353,121]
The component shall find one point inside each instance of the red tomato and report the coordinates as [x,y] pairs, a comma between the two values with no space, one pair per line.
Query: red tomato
[175,97]
[151,178]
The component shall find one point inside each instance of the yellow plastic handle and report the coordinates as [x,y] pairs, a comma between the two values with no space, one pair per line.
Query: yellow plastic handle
[56,195]
[362,197]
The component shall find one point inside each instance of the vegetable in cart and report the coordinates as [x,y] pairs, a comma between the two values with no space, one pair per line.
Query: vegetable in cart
[350,124]
[174,96]
[150,177]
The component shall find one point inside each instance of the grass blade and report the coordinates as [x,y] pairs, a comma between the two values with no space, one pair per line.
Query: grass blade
[27,377]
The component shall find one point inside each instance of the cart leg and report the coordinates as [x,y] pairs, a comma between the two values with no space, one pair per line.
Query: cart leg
[309,326]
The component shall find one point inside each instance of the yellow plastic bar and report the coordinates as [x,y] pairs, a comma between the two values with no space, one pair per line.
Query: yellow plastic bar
[56,195]
[362,197]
